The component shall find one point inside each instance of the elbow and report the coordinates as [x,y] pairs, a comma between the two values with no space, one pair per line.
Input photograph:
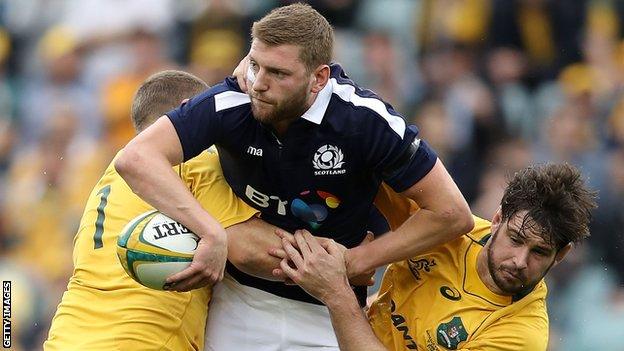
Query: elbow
[247,262]
[127,162]
[129,165]
[459,220]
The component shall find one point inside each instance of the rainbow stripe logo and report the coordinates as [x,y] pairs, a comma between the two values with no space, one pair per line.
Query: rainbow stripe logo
[312,213]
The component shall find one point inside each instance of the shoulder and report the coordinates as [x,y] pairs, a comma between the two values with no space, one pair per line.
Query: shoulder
[220,97]
[523,325]
[481,231]
[511,334]
[361,105]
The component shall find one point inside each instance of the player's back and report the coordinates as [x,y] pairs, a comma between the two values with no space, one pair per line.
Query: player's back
[103,305]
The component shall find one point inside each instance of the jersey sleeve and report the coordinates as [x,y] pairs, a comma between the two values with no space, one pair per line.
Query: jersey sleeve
[205,179]
[397,154]
[511,334]
[197,123]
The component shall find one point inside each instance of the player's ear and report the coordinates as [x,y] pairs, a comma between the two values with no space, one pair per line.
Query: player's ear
[320,78]
[496,220]
[562,253]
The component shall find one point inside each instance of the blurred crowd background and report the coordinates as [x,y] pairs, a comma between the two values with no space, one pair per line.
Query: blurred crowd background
[494,85]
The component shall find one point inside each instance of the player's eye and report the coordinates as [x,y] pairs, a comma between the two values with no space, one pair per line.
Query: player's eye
[515,240]
[254,66]
[540,252]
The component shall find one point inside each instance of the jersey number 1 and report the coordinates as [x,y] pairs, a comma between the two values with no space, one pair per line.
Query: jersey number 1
[99,222]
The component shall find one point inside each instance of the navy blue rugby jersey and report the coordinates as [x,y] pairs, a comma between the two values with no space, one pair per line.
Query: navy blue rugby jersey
[322,174]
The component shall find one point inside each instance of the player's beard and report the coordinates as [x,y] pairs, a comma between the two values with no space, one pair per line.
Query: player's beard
[290,108]
[517,286]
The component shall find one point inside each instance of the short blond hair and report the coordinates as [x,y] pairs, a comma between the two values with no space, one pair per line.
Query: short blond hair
[301,25]
[162,92]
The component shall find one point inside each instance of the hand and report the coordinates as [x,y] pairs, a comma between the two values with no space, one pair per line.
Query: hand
[279,252]
[319,270]
[356,279]
[207,267]
[240,72]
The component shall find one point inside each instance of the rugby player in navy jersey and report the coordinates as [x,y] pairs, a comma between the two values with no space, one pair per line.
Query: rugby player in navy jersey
[309,149]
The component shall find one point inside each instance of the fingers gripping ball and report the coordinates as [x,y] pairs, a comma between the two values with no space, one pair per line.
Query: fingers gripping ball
[153,246]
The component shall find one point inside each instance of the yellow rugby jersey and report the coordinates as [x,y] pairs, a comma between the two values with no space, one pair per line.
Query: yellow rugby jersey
[437,301]
[103,308]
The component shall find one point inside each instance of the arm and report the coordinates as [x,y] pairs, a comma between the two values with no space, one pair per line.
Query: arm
[145,165]
[443,216]
[248,248]
[320,270]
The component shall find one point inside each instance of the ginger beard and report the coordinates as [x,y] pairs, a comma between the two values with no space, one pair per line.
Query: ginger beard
[271,110]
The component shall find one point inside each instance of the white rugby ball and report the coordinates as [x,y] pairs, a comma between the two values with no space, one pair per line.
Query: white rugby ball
[153,246]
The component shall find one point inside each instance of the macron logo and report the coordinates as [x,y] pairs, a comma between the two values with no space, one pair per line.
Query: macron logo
[254,151]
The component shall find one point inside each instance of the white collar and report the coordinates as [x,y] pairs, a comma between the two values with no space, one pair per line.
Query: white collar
[316,112]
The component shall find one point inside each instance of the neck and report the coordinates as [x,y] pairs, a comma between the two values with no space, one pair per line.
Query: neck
[281,126]
[484,271]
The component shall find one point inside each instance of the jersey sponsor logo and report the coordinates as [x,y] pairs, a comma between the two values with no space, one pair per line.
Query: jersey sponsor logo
[399,323]
[451,333]
[418,265]
[312,206]
[254,151]
[265,201]
[450,293]
[169,229]
[328,160]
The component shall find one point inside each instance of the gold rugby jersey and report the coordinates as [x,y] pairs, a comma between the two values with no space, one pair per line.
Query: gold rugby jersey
[437,301]
[103,308]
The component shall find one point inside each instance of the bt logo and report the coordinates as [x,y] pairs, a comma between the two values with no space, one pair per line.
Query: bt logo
[310,207]
[313,206]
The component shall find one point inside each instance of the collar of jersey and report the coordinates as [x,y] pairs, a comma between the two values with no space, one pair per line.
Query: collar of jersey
[316,112]
[473,284]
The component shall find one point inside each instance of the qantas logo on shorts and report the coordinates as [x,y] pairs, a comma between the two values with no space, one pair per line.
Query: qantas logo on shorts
[328,160]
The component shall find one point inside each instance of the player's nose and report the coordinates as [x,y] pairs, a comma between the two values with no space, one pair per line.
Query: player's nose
[260,83]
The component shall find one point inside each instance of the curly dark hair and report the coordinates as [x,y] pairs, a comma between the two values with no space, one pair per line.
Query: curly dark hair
[556,199]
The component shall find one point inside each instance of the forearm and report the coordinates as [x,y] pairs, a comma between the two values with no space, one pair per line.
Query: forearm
[443,216]
[152,178]
[248,248]
[421,232]
[350,323]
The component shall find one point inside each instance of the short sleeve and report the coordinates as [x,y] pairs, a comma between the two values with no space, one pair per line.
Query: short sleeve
[400,159]
[197,124]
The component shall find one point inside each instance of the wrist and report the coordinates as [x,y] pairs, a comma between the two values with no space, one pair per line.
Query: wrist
[215,233]
[357,260]
[339,295]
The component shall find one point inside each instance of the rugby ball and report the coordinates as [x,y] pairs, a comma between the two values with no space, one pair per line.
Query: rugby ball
[152,247]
